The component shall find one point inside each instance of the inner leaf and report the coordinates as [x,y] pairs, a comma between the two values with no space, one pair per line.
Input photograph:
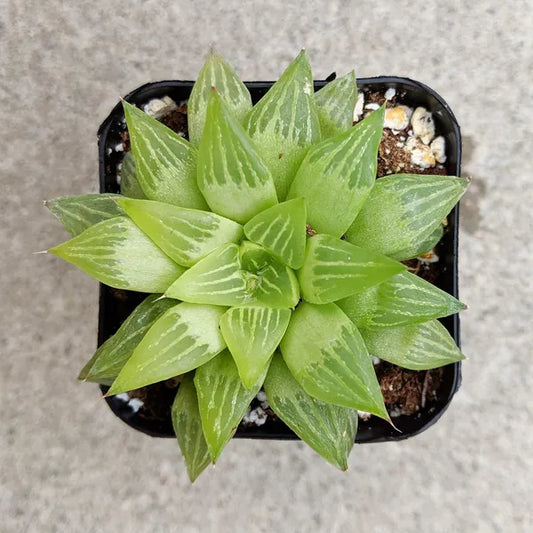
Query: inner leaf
[281,230]
[334,269]
[252,334]
[231,173]
[284,123]
[327,356]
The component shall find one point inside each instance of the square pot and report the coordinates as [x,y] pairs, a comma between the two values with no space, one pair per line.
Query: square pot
[116,305]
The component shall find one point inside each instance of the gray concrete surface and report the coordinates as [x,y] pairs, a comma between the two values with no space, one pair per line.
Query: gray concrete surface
[67,464]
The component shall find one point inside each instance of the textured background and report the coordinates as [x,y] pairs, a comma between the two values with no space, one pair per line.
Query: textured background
[67,463]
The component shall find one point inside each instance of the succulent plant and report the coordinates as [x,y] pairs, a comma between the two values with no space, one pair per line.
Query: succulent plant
[273,257]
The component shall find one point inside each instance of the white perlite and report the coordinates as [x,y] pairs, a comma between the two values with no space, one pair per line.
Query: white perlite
[256,416]
[359,106]
[426,156]
[397,118]
[157,107]
[390,93]
[438,147]
[421,155]
[423,125]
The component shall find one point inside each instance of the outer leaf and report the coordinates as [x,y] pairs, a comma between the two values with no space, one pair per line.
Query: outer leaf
[335,103]
[165,163]
[129,184]
[252,334]
[216,279]
[79,212]
[185,235]
[231,174]
[337,175]
[188,428]
[275,284]
[417,346]
[403,210]
[184,338]
[401,300]
[329,429]
[117,253]
[334,269]
[111,356]
[223,400]
[281,230]
[284,123]
[326,354]
[216,73]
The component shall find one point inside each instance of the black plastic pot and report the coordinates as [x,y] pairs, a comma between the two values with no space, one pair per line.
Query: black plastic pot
[116,305]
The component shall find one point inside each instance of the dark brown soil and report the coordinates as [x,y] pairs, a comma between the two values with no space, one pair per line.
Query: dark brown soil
[406,391]
[176,120]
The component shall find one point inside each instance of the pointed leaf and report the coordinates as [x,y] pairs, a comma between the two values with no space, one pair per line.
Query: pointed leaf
[403,210]
[185,235]
[116,252]
[165,163]
[334,269]
[281,230]
[252,334]
[231,174]
[326,354]
[129,184]
[216,73]
[182,339]
[329,429]
[335,104]
[337,175]
[223,400]
[284,123]
[401,300]
[276,284]
[79,212]
[188,428]
[111,356]
[216,279]
[417,346]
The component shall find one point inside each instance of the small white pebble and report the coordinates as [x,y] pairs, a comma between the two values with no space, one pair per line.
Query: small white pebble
[372,106]
[159,106]
[397,118]
[375,360]
[395,412]
[261,396]
[135,404]
[438,147]
[255,416]
[423,125]
[124,396]
[399,144]
[423,157]
[119,147]
[390,93]
[109,151]
[363,415]
[359,106]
